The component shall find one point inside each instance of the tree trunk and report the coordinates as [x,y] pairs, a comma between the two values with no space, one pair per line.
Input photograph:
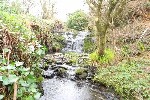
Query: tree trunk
[101,37]
[102,42]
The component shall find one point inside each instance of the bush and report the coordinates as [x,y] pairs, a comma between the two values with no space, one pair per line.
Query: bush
[77,21]
[25,78]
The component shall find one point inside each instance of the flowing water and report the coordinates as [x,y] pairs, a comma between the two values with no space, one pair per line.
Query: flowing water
[64,89]
[67,89]
[75,43]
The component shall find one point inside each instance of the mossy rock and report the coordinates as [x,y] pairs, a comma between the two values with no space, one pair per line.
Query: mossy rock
[81,73]
[62,72]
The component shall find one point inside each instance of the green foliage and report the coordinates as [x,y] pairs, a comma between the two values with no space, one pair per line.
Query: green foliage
[77,21]
[128,79]
[94,56]
[106,58]
[125,51]
[147,5]
[72,56]
[89,45]
[13,8]
[58,41]
[141,46]
[27,39]
[25,59]
[25,78]
[14,22]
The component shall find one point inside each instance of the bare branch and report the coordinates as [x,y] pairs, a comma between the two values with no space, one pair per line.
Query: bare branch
[91,5]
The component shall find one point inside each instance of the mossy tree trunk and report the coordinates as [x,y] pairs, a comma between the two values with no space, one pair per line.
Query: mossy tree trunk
[103,18]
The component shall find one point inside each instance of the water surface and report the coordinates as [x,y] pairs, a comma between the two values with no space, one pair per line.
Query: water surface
[64,89]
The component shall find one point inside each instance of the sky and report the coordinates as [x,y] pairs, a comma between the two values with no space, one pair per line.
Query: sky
[63,7]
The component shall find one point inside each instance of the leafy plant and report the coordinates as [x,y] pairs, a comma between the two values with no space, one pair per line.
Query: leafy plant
[106,58]
[22,67]
[25,78]
[141,46]
[128,79]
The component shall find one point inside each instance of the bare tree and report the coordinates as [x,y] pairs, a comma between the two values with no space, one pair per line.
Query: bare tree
[48,7]
[27,5]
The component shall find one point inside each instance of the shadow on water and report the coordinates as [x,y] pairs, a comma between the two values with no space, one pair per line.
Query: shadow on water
[64,89]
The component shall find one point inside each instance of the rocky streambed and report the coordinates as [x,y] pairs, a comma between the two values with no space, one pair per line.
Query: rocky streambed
[65,82]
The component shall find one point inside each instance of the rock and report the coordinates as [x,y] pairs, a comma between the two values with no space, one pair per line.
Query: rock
[68,62]
[89,78]
[49,62]
[48,74]
[72,78]
[58,61]
[61,72]
[81,73]
[58,58]
[46,67]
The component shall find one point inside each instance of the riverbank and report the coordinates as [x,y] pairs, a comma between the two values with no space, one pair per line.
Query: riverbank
[131,80]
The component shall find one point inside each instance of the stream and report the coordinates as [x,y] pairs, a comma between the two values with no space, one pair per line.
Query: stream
[61,83]
[67,88]
[64,89]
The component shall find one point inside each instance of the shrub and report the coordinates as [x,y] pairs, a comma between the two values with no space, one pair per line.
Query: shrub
[77,21]
[72,56]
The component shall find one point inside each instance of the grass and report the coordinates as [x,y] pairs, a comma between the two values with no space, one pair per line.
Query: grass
[129,80]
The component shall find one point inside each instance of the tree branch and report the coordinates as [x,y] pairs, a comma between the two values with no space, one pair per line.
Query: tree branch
[91,5]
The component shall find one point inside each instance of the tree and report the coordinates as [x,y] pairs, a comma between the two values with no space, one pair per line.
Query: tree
[104,13]
[48,7]
[77,20]
[27,4]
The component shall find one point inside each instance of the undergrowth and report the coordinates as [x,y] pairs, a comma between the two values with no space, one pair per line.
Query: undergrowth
[128,80]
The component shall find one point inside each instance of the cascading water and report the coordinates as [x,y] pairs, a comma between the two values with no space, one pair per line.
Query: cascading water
[74,44]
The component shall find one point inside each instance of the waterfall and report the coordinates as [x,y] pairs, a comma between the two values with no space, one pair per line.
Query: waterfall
[74,44]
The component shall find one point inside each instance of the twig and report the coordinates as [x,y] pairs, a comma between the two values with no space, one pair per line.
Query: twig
[15,91]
